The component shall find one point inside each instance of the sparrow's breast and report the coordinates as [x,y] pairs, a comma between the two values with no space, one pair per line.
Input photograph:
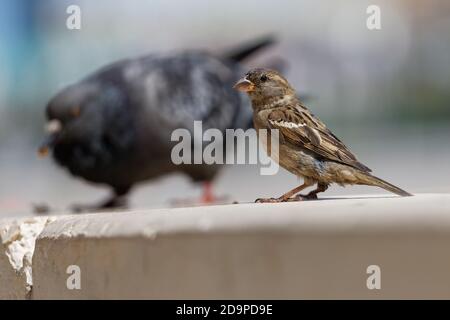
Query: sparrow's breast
[294,159]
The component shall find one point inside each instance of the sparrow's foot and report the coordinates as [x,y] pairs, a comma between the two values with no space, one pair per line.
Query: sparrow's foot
[310,196]
[276,200]
[298,197]
[301,197]
[269,200]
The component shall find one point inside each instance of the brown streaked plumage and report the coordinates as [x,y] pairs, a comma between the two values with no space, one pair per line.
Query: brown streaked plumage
[307,148]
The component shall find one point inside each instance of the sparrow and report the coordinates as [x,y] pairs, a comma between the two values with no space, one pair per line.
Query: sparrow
[307,148]
[114,126]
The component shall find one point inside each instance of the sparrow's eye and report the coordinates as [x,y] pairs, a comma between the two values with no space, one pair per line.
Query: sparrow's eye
[263,78]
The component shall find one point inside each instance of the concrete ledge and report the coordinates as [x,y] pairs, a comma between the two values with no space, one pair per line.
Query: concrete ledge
[316,249]
[17,241]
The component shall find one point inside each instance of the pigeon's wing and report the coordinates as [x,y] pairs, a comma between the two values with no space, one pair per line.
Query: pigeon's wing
[247,49]
[193,86]
[301,128]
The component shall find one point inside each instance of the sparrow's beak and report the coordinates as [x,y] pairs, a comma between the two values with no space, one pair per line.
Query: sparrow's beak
[244,85]
[53,128]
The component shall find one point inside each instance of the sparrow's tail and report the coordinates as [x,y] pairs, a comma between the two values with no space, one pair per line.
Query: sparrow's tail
[243,51]
[377,182]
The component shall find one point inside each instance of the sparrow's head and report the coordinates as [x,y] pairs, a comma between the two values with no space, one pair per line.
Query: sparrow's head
[264,83]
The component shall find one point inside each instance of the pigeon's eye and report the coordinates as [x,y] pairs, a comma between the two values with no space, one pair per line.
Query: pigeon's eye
[263,78]
[76,111]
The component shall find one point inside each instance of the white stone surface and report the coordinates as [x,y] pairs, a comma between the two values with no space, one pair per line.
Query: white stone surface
[317,249]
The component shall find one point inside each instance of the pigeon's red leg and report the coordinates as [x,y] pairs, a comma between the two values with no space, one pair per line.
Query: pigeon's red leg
[207,197]
[208,194]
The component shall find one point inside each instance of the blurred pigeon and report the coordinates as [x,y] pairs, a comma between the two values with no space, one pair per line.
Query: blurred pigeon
[114,127]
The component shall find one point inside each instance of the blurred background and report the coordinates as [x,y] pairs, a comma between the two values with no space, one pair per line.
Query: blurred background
[385,93]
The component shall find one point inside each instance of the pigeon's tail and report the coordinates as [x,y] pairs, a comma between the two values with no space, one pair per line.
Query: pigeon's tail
[245,50]
[377,182]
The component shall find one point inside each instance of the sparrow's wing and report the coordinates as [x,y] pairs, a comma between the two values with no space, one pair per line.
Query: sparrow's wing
[301,128]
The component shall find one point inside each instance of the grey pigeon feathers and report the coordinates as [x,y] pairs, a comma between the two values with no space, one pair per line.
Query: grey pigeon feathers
[115,125]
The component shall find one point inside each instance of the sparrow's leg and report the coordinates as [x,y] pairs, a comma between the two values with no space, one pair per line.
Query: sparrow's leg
[312,195]
[117,200]
[288,195]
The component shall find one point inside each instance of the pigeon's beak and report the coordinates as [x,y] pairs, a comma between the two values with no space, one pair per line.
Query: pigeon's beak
[244,85]
[53,128]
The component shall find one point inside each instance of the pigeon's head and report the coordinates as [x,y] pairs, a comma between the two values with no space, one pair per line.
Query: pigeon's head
[70,116]
[262,83]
